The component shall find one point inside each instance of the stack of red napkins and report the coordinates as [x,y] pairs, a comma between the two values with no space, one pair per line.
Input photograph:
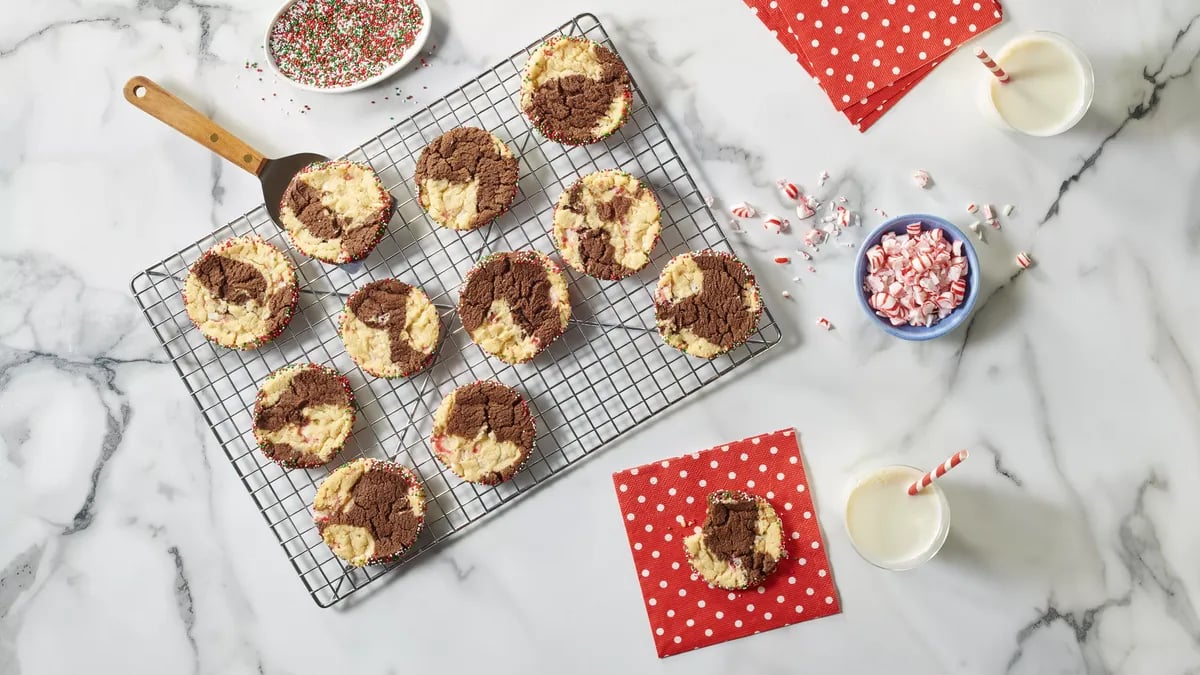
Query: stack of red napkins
[663,502]
[867,55]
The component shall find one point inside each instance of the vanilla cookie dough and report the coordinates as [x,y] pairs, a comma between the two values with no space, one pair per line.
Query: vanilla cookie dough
[390,329]
[466,178]
[483,432]
[513,305]
[606,224]
[370,511]
[740,543]
[241,293]
[706,303]
[335,211]
[303,415]
[575,91]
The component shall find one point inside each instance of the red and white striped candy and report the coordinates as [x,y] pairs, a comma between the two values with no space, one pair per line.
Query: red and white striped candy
[875,258]
[921,178]
[825,323]
[788,189]
[1024,260]
[782,259]
[989,213]
[972,208]
[814,237]
[804,211]
[913,229]
[959,288]
[743,211]
[774,224]
[923,275]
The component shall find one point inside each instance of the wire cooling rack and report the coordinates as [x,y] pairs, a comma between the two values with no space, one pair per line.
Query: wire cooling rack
[608,373]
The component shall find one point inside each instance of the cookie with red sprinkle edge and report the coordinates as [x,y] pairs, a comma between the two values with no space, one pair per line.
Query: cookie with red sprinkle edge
[575,91]
[483,432]
[606,224]
[390,328]
[241,293]
[335,211]
[466,178]
[706,303]
[370,511]
[740,543]
[303,414]
[514,304]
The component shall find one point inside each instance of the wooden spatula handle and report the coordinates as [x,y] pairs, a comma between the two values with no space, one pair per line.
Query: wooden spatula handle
[158,102]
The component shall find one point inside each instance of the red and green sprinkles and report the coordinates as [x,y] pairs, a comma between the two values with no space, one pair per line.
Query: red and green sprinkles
[330,44]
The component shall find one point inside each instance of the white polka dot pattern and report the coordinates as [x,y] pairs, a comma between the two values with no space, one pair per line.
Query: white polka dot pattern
[665,501]
[872,59]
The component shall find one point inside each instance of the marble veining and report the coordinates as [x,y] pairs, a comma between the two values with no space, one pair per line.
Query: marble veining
[130,546]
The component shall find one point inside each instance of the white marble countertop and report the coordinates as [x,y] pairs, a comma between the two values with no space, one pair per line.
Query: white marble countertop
[128,544]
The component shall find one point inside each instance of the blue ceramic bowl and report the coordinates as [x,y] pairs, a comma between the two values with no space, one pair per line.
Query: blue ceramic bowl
[958,316]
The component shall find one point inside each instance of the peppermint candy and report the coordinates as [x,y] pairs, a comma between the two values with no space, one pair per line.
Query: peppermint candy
[788,190]
[921,178]
[825,323]
[743,211]
[814,237]
[1024,260]
[804,211]
[774,224]
[822,178]
[916,278]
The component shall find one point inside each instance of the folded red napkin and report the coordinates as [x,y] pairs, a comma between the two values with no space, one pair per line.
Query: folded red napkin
[663,502]
[869,55]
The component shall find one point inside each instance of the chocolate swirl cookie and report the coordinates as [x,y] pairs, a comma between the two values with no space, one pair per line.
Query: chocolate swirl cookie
[241,293]
[335,211]
[370,511]
[390,329]
[740,543]
[466,178]
[303,415]
[483,432]
[513,305]
[706,303]
[575,91]
[606,224]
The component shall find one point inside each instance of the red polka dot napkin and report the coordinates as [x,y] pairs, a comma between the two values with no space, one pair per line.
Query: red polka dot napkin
[663,502]
[867,55]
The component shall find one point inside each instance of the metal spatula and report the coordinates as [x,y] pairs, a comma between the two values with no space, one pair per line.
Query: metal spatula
[274,174]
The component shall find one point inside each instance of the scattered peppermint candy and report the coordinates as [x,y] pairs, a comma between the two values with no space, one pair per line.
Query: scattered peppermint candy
[921,178]
[812,269]
[825,323]
[782,259]
[822,178]
[847,244]
[1024,260]
[814,237]
[708,201]
[988,212]
[804,254]
[804,211]
[786,294]
[788,190]
[812,202]
[994,222]
[735,225]
[881,212]
[774,224]
[972,207]
[1008,209]
[743,211]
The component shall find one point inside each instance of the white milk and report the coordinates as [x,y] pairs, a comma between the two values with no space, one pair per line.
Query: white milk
[1050,88]
[891,528]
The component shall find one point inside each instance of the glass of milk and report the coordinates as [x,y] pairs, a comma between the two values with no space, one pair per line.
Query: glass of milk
[1050,87]
[891,528]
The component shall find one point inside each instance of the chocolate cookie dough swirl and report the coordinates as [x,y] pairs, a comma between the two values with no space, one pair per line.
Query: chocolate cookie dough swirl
[483,432]
[390,329]
[606,224]
[513,305]
[241,293]
[575,91]
[466,178]
[740,544]
[335,211]
[370,511]
[706,303]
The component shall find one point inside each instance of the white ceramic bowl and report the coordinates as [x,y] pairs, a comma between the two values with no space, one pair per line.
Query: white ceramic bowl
[412,53]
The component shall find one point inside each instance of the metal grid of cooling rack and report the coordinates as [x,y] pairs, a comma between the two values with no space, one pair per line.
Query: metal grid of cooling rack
[609,372]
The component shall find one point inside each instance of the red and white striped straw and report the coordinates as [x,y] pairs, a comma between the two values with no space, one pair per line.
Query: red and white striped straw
[992,65]
[945,466]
